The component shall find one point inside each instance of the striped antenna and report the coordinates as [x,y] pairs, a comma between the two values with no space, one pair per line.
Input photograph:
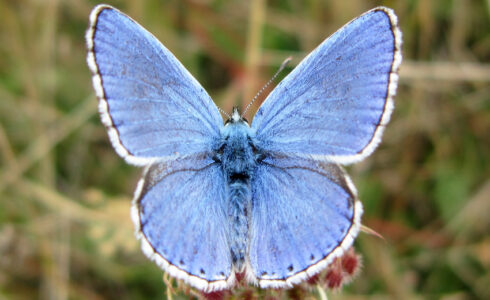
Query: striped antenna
[223,112]
[283,65]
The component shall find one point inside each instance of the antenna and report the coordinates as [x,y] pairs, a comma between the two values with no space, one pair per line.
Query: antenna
[223,112]
[283,65]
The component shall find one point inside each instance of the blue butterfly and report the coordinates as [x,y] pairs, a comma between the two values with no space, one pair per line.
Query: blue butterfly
[269,199]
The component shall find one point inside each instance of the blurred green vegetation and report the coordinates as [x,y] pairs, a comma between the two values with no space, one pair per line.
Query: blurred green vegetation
[65,230]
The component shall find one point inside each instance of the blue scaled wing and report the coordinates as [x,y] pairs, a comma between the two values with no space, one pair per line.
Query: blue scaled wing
[150,104]
[305,213]
[179,214]
[334,105]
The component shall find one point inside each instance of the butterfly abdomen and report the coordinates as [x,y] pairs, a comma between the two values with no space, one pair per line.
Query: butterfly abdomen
[238,209]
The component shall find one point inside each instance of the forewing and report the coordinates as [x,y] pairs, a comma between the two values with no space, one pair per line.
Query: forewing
[180,219]
[336,102]
[151,105]
[305,214]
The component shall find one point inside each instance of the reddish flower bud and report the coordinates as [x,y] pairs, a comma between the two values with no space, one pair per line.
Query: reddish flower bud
[313,280]
[240,278]
[350,263]
[334,277]
[217,295]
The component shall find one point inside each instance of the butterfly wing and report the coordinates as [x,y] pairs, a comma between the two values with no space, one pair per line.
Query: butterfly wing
[179,214]
[334,105]
[305,213]
[151,105]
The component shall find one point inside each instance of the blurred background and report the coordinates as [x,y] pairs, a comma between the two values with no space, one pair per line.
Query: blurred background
[65,230]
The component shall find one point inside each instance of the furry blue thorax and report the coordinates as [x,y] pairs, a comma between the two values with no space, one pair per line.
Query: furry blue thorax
[237,148]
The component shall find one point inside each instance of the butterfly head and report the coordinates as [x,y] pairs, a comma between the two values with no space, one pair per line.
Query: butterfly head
[236,118]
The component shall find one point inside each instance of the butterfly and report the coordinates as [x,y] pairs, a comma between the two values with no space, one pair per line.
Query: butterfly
[267,199]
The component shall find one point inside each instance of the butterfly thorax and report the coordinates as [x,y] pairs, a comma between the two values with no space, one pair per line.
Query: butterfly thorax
[237,156]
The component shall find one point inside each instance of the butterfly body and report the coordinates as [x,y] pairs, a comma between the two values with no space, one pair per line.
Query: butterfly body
[270,199]
[237,158]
